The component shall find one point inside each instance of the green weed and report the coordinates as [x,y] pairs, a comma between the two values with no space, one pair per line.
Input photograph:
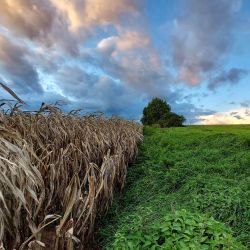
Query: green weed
[177,231]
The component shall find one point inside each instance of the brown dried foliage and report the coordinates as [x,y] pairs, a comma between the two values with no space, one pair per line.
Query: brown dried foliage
[56,172]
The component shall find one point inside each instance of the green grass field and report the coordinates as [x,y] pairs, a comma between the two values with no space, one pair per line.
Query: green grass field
[202,169]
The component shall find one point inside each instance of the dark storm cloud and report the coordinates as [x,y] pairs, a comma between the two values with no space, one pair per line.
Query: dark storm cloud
[96,93]
[114,98]
[231,77]
[190,111]
[35,100]
[16,69]
[245,104]
[238,117]
[247,112]
[202,37]
[74,81]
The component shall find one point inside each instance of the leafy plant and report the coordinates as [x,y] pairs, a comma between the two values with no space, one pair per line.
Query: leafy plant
[180,230]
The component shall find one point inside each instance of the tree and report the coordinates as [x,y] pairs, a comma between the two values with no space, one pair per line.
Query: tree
[159,112]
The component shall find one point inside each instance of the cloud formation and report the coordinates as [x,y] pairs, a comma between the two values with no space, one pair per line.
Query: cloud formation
[88,13]
[235,116]
[131,58]
[53,34]
[17,69]
[231,77]
[39,22]
[126,41]
[97,93]
[32,18]
[63,26]
[62,23]
[102,55]
[245,104]
[201,37]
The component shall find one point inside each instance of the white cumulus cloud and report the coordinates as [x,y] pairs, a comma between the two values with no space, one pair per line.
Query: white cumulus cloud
[235,116]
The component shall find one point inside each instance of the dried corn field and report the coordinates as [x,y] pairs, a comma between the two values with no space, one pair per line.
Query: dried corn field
[57,171]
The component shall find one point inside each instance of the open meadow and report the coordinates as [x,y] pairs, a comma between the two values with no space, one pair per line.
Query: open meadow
[180,175]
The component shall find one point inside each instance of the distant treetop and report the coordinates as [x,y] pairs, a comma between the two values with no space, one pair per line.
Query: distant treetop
[158,112]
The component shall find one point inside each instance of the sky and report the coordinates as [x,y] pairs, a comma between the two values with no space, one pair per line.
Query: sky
[115,56]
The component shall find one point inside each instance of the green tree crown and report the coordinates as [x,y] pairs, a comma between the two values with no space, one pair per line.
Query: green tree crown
[159,112]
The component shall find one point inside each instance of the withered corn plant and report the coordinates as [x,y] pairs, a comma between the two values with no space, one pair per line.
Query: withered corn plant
[57,171]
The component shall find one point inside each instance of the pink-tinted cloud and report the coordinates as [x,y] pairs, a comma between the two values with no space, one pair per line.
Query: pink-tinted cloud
[131,58]
[39,22]
[63,24]
[126,41]
[87,13]
[32,18]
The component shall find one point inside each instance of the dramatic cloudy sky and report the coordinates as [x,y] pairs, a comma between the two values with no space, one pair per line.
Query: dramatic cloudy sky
[114,56]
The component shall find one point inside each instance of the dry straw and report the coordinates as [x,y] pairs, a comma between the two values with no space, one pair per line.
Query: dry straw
[57,171]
